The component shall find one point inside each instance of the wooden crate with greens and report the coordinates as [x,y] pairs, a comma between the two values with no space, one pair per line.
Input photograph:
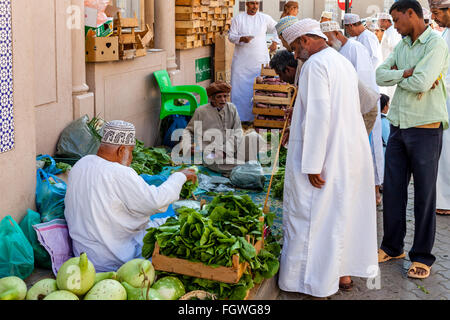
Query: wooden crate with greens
[218,243]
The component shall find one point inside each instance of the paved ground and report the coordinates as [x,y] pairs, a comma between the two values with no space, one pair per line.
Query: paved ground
[395,285]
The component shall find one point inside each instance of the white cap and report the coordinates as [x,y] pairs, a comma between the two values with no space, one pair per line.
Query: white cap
[327,14]
[120,133]
[384,16]
[330,26]
[351,18]
[301,28]
[426,14]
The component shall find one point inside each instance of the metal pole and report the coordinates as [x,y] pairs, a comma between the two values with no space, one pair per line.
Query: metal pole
[347,6]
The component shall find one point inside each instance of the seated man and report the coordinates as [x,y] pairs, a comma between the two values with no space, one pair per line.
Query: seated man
[215,130]
[108,205]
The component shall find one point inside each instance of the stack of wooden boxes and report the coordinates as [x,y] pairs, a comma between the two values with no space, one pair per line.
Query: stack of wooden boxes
[199,21]
[271,99]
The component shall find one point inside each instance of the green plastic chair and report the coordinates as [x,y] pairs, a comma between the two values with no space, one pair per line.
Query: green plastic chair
[170,93]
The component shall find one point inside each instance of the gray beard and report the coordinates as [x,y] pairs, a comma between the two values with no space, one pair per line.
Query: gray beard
[337,45]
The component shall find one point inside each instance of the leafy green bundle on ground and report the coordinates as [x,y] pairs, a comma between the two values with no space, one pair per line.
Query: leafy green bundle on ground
[195,237]
[149,160]
[268,258]
[212,237]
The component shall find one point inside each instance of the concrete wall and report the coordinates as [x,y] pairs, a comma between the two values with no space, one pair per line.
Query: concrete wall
[52,71]
[186,64]
[127,90]
[18,169]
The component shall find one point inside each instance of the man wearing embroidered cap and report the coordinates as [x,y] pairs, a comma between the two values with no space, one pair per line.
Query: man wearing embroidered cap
[282,25]
[108,206]
[358,55]
[441,15]
[248,33]
[355,28]
[329,213]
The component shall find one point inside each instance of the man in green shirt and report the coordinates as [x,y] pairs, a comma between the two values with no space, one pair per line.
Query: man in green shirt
[418,116]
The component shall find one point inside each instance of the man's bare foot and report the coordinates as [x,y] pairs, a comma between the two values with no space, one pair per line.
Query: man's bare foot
[346,283]
[418,272]
[443,212]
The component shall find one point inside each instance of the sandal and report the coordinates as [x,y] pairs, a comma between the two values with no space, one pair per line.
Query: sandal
[347,287]
[383,256]
[413,268]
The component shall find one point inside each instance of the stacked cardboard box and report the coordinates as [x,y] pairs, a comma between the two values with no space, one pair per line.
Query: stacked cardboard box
[199,21]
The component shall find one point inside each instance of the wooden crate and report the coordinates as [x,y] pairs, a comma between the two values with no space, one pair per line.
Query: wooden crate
[187,31]
[187,2]
[273,87]
[268,72]
[188,45]
[257,123]
[199,270]
[269,111]
[188,16]
[187,24]
[185,9]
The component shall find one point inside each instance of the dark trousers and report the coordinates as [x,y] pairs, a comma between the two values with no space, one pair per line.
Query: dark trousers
[413,151]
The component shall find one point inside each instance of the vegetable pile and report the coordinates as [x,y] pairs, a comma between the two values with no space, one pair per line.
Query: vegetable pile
[268,258]
[212,237]
[134,280]
[149,160]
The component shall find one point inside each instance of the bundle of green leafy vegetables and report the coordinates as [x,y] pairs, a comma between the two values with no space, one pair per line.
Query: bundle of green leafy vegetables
[269,266]
[189,187]
[195,237]
[212,237]
[149,160]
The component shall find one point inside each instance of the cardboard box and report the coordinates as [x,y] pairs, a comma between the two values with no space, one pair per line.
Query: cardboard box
[223,75]
[223,57]
[105,30]
[101,49]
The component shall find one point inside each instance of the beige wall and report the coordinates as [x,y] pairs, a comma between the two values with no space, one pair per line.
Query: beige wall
[186,63]
[127,90]
[52,70]
[18,168]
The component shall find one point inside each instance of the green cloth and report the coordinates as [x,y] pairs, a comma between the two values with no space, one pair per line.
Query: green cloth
[429,55]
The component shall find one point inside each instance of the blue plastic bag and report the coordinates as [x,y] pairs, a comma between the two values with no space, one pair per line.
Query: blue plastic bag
[51,169]
[179,122]
[16,252]
[157,181]
[50,194]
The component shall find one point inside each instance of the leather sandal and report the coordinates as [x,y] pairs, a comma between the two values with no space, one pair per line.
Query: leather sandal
[413,269]
[383,256]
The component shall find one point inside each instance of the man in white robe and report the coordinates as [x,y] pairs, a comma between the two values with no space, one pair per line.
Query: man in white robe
[108,206]
[329,213]
[390,39]
[441,15]
[355,28]
[359,56]
[248,33]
